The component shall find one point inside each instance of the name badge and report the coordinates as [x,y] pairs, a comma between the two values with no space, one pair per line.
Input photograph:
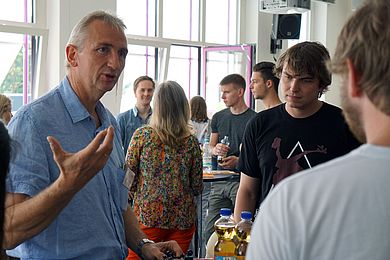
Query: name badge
[129,178]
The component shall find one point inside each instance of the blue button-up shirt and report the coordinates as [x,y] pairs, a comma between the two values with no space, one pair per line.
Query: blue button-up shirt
[91,226]
[128,122]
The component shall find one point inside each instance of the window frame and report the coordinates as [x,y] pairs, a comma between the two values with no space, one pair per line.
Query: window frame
[32,29]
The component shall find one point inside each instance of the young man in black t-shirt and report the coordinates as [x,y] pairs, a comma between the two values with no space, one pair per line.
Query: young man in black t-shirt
[296,135]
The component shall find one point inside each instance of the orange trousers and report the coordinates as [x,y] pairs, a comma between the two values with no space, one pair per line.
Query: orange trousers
[182,237]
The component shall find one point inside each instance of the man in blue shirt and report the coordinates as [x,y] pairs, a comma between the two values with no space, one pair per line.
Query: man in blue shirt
[139,115]
[66,188]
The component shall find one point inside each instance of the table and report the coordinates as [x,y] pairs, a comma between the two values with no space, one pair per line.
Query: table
[215,176]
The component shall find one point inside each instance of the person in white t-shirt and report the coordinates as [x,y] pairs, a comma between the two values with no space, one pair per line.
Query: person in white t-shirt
[340,209]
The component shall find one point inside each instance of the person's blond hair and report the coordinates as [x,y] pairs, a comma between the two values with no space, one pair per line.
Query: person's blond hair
[171,114]
[365,40]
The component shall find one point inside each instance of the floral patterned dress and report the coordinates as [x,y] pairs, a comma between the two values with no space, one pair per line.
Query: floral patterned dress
[166,181]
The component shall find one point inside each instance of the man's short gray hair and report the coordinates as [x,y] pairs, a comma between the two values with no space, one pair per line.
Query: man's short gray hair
[80,30]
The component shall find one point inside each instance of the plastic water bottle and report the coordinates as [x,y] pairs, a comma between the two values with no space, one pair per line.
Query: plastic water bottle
[206,157]
[225,141]
[224,249]
[243,231]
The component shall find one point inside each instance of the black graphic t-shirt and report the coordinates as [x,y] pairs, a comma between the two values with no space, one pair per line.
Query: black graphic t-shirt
[276,145]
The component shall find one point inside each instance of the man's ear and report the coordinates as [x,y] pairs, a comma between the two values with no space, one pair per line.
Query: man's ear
[241,92]
[71,55]
[269,84]
[354,88]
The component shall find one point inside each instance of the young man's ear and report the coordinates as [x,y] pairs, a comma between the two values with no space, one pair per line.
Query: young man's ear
[269,84]
[354,89]
[241,91]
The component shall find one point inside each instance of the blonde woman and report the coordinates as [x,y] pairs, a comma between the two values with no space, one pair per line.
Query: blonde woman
[5,109]
[167,163]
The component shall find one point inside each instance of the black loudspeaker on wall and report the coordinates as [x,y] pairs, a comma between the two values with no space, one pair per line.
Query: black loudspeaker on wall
[286,26]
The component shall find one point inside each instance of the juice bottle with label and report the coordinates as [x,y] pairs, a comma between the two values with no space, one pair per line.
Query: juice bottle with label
[243,233]
[224,227]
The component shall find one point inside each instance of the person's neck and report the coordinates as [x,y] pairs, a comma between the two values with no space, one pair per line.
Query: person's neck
[143,110]
[376,125]
[304,112]
[271,101]
[239,108]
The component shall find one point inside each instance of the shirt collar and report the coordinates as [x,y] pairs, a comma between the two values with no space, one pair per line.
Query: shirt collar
[76,109]
[135,111]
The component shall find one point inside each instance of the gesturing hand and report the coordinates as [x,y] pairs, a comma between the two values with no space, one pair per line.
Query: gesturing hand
[77,169]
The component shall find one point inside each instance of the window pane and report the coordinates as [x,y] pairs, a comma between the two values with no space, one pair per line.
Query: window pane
[138,16]
[184,68]
[17,68]
[17,11]
[183,24]
[140,61]
[221,20]
[221,62]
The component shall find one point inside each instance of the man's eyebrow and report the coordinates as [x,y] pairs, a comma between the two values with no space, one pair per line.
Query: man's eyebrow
[306,77]
[299,76]
[104,44]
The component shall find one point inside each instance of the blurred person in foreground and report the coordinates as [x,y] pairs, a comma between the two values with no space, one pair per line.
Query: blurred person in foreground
[5,109]
[296,135]
[140,114]
[5,152]
[167,163]
[66,188]
[341,209]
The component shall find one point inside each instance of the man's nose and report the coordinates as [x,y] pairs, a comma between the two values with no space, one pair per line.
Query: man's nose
[115,61]
[294,85]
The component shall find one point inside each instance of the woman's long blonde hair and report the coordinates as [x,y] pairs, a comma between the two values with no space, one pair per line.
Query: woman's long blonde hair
[171,113]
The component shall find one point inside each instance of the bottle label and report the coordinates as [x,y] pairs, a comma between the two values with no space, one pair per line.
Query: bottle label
[225,258]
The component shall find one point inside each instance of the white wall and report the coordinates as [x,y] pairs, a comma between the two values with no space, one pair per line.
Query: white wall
[336,16]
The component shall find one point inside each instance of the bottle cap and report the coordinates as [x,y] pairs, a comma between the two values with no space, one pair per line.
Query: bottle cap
[246,215]
[225,212]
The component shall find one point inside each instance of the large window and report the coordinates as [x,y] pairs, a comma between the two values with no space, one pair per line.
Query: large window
[184,24]
[21,42]
[17,68]
[184,68]
[222,21]
[17,11]
[198,24]
[221,61]
[139,16]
